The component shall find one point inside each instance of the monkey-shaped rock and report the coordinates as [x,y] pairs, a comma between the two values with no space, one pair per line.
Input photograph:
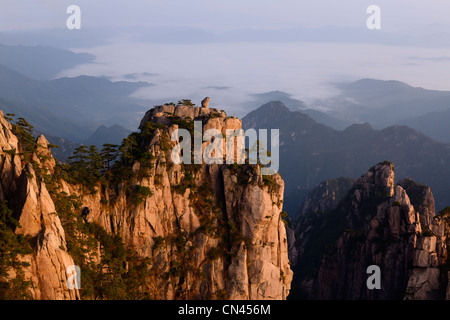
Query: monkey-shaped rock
[205,102]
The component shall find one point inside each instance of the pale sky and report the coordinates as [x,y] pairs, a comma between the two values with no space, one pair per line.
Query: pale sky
[396,14]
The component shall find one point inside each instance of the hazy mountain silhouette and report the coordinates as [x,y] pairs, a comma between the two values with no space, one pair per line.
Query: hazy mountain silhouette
[311,152]
[59,37]
[435,124]
[112,135]
[40,63]
[385,103]
[69,107]
[45,120]
[298,105]
[96,36]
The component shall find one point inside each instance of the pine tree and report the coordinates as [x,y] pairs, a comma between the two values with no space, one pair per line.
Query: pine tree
[95,163]
[128,149]
[186,102]
[109,154]
[80,157]
[79,164]
[23,130]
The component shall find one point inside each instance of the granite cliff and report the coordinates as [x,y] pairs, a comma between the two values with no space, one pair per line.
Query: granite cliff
[378,222]
[140,227]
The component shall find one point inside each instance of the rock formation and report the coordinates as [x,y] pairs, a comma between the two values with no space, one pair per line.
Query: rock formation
[27,193]
[205,102]
[187,231]
[143,227]
[326,196]
[376,223]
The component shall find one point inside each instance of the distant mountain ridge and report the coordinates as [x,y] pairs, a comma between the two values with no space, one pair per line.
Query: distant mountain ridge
[40,62]
[437,37]
[298,105]
[112,135]
[69,107]
[435,124]
[103,135]
[384,103]
[311,152]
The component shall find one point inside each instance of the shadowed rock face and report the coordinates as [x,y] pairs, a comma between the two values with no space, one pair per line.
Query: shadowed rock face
[375,224]
[209,231]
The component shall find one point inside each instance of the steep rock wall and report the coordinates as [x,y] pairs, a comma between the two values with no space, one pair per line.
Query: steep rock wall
[206,231]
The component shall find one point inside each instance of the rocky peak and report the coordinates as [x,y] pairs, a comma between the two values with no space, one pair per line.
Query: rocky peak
[8,141]
[326,196]
[421,198]
[377,223]
[10,163]
[198,231]
[163,113]
[380,176]
[368,192]
[24,192]
[205,102]
[44,154]
[160,122]
[229,214]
